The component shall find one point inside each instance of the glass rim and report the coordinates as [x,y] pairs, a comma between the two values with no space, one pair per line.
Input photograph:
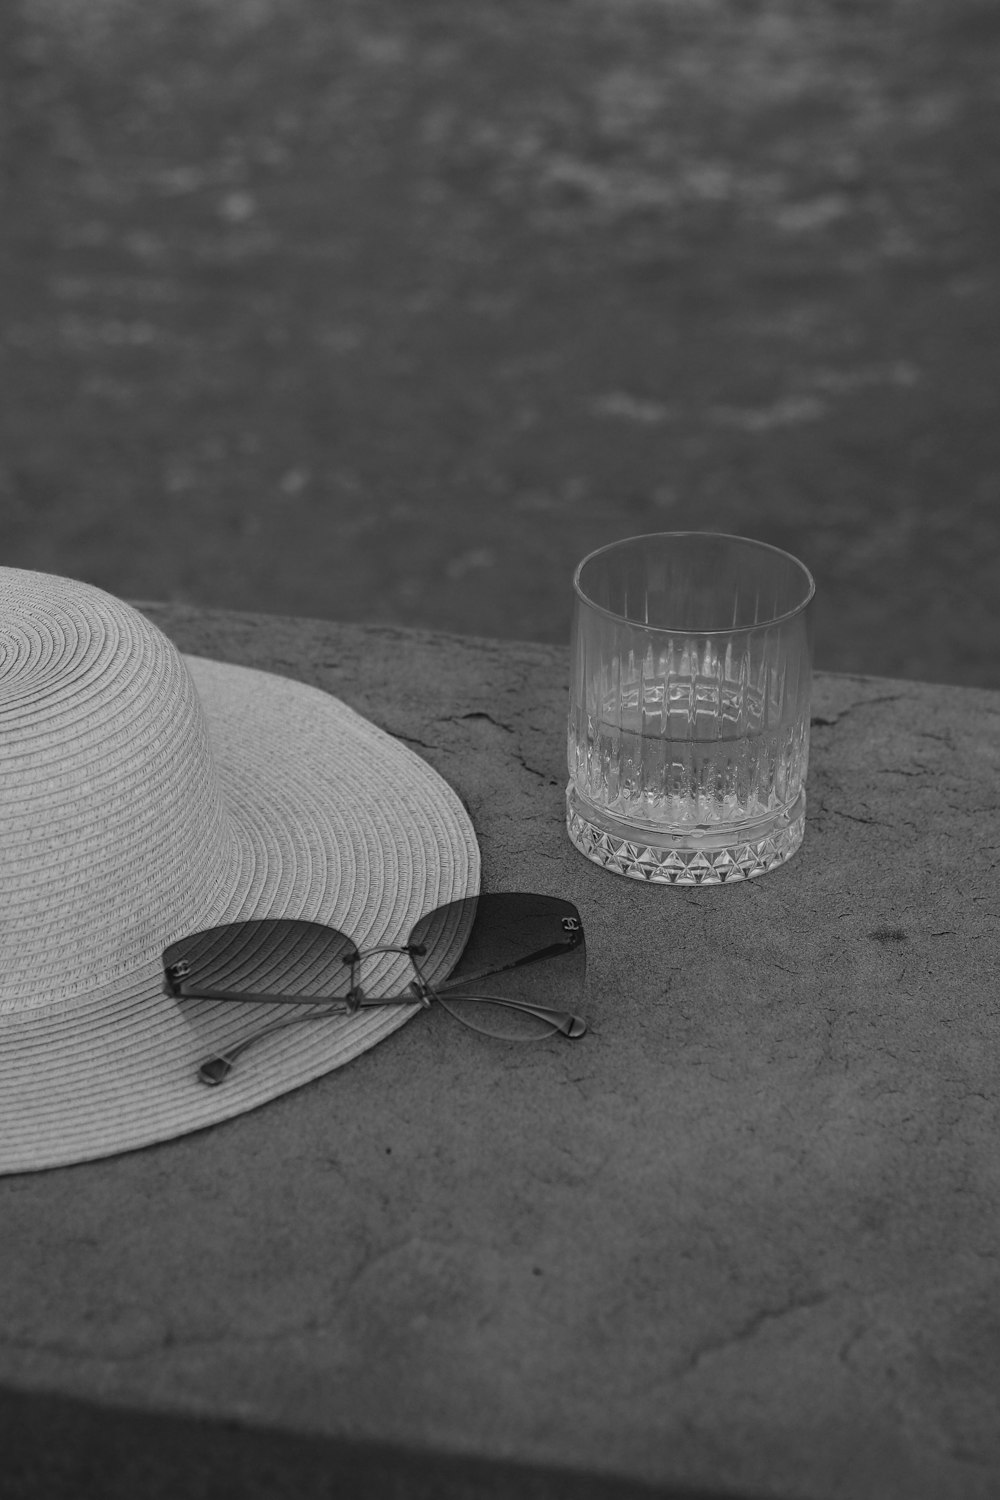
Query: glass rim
[724,630]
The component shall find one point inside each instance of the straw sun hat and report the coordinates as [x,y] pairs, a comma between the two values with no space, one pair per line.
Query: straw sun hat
[144,796]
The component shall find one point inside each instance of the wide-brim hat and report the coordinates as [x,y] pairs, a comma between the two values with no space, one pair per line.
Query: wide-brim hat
[145,795]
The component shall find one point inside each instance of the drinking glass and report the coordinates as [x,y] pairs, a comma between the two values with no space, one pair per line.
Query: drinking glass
[689,707]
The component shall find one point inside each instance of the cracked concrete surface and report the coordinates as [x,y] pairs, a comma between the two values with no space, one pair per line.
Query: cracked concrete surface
[741,1237]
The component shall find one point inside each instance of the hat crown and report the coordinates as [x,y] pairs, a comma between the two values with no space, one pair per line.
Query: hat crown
[114,833]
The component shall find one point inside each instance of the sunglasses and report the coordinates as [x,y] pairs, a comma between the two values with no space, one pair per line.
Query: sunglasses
[520,975]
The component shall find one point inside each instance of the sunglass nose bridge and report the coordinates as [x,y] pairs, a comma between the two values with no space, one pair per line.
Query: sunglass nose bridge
[389,948]
[418,986]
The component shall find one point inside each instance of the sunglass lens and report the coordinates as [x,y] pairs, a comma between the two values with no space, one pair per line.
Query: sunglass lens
[274,960]
[523,949]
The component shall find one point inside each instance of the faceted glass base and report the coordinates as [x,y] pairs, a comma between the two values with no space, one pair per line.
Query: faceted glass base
[685,859]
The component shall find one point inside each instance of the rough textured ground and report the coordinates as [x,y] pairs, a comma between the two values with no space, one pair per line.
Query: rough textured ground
[740,1238]
[389,311]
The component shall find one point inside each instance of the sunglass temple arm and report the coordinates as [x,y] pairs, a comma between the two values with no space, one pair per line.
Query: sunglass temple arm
[216,1069]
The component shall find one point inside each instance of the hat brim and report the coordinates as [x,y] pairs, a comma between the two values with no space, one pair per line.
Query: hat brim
[336,822]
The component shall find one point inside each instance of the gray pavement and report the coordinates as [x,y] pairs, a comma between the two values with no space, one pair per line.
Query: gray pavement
[379,311]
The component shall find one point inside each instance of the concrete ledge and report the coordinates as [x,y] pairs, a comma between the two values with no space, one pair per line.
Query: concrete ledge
[742,1238]
[53,1448]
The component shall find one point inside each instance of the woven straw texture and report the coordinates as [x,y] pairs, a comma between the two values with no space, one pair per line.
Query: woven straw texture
[145,795]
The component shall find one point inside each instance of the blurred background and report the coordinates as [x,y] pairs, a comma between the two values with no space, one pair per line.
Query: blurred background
[390,310]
